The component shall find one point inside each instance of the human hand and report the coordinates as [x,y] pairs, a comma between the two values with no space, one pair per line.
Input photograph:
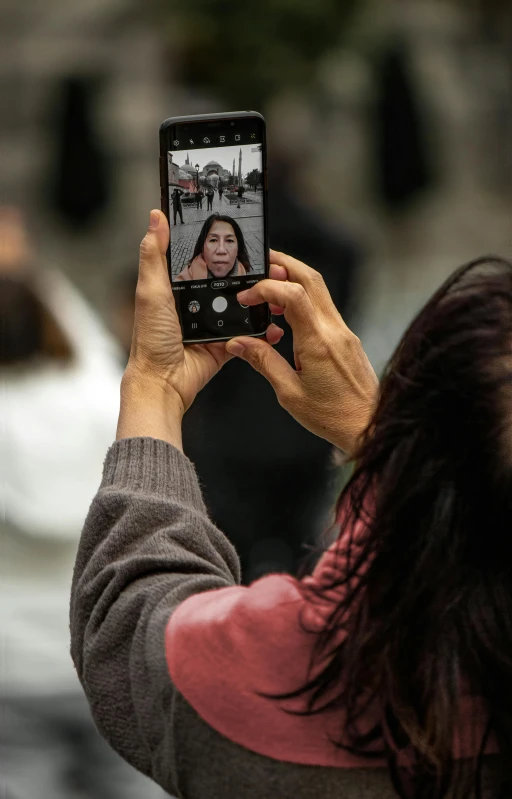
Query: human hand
[159,362]
[333,391]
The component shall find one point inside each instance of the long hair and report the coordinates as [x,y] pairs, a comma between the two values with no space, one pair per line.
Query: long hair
[243,255]
[427,587]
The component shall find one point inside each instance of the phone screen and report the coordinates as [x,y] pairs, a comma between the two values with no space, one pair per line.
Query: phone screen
[215,200]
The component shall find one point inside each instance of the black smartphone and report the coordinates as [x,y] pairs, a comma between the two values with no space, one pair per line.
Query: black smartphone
[214,193]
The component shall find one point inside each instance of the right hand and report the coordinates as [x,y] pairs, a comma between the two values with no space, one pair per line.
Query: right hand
[333,391]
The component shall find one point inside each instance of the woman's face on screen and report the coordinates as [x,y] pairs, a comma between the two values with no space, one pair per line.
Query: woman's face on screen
[220,249]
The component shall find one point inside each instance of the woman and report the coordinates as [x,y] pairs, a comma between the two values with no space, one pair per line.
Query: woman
[220,251]
[387,671]
[57,364]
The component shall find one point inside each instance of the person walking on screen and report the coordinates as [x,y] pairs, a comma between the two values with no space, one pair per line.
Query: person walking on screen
[220,190]
[210,194]
[176,204]
[240,193]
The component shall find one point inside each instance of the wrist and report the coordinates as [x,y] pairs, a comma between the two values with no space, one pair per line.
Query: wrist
[149,408]
[350,439]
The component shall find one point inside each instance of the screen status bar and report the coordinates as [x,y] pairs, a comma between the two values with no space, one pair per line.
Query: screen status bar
[186,140]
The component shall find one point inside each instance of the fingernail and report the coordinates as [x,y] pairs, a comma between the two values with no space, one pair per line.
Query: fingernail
[154,219]
[235,348]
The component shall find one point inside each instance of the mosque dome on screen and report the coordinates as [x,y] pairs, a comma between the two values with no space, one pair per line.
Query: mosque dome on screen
[213,168]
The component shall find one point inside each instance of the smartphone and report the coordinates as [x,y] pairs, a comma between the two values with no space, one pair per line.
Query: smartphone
[213,184]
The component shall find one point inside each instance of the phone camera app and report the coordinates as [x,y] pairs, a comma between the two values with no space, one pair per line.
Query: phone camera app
[216,213]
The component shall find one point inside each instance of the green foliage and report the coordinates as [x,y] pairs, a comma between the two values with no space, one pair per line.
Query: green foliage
[254,178]
[247,51]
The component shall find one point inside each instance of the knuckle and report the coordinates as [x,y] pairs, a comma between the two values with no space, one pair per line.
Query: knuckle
[287,395]
[259,359]
[322,349]
[143,293]
[353,341]
[147,247]
[297,292]
[316,278]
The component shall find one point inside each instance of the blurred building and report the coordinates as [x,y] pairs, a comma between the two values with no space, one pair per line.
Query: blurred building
[174,171]
[115,48]
[458,58]
[460,75]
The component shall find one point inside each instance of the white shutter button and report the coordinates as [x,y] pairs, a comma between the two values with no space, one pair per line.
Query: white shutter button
[220,304]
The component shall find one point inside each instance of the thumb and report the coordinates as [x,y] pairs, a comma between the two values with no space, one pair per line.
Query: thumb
[153,248]
[265,360]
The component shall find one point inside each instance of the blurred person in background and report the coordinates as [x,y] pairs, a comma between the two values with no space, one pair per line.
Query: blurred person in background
[60,377]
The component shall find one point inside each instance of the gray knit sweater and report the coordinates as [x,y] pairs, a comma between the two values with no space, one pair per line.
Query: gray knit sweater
[147,548]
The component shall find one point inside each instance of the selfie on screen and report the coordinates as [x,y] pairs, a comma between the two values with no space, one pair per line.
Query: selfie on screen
[216,212]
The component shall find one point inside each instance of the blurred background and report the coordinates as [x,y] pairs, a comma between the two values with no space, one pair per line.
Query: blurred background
[333,79]
[389,131]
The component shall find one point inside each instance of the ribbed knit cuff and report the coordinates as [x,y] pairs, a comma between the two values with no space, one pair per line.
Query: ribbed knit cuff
[152,467]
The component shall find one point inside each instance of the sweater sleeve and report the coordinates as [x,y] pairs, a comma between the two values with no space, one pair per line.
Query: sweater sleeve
[146,546]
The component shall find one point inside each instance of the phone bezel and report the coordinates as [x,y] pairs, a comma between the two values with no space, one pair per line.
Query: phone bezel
[165,141]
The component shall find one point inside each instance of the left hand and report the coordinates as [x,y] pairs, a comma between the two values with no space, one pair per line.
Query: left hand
[158,356]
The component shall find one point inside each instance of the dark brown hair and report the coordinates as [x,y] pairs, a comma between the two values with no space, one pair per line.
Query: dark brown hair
[428,593]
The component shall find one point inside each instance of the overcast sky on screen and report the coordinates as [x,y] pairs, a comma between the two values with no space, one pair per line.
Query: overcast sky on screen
[224,155]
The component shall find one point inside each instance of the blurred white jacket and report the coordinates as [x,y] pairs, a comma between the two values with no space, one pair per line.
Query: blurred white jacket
[56,424]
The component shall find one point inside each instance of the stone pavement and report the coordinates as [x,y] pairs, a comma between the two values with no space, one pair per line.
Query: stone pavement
[184,237]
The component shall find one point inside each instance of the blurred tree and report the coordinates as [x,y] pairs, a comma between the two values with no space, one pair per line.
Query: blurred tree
[246,52]
[254,179]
